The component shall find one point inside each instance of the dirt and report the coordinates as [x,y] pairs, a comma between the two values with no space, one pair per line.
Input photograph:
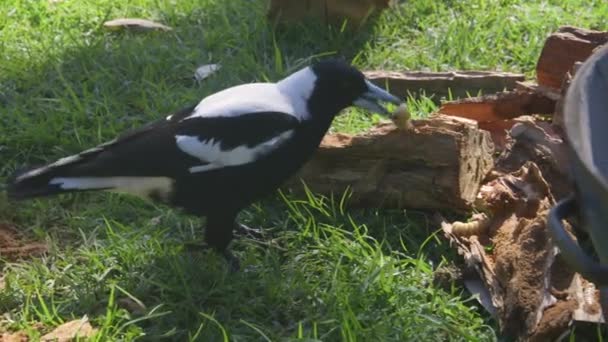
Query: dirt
[555,320]
[521,252]
[14,246]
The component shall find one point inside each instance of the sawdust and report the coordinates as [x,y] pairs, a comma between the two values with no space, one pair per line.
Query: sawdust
[13,246]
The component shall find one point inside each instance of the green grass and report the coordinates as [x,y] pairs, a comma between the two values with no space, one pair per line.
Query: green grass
[330,272]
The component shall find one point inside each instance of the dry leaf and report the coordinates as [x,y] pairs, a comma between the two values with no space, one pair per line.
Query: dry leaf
[19,336]
[205,71]
[134,23]
[68,331]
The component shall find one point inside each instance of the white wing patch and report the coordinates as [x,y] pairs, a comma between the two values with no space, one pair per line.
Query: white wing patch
[209,151]
[139,186]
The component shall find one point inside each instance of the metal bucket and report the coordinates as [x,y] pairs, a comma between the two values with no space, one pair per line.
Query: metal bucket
[586,126]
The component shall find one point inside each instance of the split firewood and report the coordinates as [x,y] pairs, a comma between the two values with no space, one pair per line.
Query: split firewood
[541,89]
[442,84]
[439,165]
[331,11]
[500,106]
[562,49]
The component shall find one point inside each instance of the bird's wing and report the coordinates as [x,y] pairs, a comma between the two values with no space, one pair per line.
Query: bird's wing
[230,141]
[175,147]
[232,127]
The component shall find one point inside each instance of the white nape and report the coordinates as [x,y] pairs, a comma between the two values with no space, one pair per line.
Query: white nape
[289,96]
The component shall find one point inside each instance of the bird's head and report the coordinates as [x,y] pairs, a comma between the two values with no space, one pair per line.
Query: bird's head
[331,85]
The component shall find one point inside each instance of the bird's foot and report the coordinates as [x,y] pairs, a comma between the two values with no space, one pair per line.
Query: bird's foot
[233,262]
[253,233]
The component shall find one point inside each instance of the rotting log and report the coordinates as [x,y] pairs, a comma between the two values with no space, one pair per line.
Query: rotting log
[437,165]
[562,49]
[500,106]
[442,84]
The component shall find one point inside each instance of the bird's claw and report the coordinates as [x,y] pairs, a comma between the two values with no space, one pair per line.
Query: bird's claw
[233,262]
[234,265]
[253,233]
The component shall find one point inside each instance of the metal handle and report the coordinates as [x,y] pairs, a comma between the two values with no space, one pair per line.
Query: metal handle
[572,252]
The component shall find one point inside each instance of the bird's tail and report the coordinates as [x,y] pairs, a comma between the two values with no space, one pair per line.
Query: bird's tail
[46,180]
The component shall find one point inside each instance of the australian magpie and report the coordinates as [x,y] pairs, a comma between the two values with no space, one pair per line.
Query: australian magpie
[215,158]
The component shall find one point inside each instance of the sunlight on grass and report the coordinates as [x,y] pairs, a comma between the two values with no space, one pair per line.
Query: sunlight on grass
[328,272]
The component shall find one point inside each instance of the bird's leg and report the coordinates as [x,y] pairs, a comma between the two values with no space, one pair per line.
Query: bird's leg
[218,234]
[243,230]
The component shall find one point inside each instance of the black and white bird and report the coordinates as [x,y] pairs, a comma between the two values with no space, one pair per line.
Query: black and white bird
[214,159]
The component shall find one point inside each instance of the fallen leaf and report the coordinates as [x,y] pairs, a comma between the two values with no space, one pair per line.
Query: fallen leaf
[134,23]
[205,71]
[19,336]
[68,331]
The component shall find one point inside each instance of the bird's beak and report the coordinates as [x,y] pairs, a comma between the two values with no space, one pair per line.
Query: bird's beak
[371,99]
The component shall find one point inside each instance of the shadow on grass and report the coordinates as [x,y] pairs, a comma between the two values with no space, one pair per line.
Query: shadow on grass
[120,80]
[117,81]
[312,278]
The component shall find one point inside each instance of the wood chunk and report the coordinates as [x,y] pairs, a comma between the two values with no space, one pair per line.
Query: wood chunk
[331,11]
[438,165]
[543,90]
[558,117]
[500,106]
[441,84]
[499,130]
[562,49]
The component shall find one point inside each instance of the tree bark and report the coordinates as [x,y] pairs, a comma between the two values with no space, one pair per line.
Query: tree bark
[500,106]
[438,165]
[564,48]
[442,84]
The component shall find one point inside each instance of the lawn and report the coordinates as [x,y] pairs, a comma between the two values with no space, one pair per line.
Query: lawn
[327,272]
